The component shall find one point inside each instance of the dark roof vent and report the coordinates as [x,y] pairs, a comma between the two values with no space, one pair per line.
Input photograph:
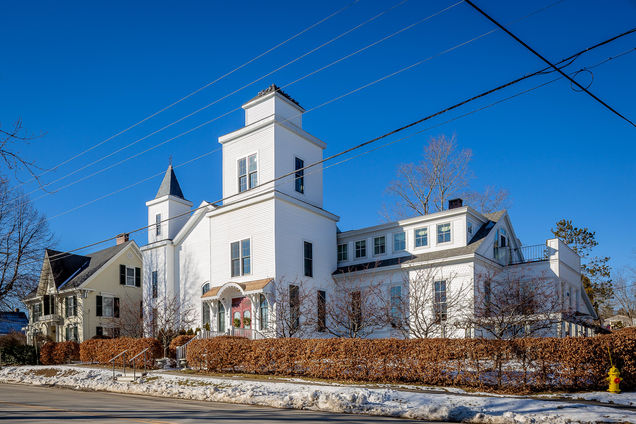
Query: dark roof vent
[455,203]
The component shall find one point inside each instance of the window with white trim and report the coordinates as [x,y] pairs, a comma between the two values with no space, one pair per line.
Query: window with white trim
[379,245]
[421,237]
[343,252]
[308,253]
[108,306]
[158,224]
[361,248]
[299,164]
[444,233]
[155,283]
[247,173]
[130,276]
[440,306]
[240,262]
[399,241]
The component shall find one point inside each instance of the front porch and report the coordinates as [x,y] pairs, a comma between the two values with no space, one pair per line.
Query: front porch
[238,309]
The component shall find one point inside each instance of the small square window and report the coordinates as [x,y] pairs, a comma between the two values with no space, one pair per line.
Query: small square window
[399,241]
[343,252]
[421,237]
[361,248]
[379,245]
[444,233]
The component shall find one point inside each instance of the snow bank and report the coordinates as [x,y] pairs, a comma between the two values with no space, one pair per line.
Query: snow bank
[331,398]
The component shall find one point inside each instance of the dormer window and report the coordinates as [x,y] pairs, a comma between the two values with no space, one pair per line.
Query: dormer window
[247,173]
[443,233]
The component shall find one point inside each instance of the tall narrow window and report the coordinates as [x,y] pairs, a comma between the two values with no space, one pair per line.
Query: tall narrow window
[235,258]
[444,233]
[322,310]
[399,241]
[439,306]
[379,245]
[263,313]
[343,252]
[220,317]
[309,259]
[240,258]
[361,248]
[154,282]
[246,264]
[247,173]
[421,237]
[158,224]
[130,276]
[396,305]
[205,314]
[300,175]
[294,307]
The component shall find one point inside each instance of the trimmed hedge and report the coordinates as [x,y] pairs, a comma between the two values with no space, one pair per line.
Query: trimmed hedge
[513,366]
[178,341]
[102,350]
[53,353]
[15,351]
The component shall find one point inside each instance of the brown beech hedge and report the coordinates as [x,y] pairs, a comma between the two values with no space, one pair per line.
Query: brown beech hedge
[100,351]
[53,353]
[513,366]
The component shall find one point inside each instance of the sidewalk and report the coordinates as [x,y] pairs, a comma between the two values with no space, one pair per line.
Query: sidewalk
[415,402]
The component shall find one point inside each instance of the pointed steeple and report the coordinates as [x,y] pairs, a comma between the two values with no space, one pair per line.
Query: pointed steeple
[169,185]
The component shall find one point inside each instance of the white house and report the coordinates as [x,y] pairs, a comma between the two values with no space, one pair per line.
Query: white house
[227,261]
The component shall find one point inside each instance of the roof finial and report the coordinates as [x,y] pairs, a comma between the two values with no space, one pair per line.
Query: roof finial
[170,160]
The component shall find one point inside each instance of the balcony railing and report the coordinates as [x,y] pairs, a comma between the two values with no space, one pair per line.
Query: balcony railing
[55,318]
[524,254]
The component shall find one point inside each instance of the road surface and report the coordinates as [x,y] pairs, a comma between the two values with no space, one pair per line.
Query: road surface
[35,404]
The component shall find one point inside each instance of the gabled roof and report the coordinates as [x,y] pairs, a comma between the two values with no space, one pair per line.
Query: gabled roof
[169,186]
[70,271]
[247,286]
[470,248]
[274,88]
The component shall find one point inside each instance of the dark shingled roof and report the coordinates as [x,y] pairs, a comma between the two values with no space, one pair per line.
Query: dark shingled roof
[272,88]
[471,247]
[169,185]
[70,271]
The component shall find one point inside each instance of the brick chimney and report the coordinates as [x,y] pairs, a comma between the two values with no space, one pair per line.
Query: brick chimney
[455,203]
[122,238]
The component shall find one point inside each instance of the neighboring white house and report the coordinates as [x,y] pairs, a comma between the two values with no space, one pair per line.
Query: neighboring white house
[227,261]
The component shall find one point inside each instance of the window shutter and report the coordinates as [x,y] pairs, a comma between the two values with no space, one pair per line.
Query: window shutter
[98,310]
[75,306]
[47,304]
[122,274]
[116,307]
[138,277]
[75,334]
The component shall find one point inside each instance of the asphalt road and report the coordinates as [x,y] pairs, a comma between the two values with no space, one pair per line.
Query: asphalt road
[35,404]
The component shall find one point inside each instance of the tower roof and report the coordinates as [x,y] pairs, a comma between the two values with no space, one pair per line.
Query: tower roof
[276,89]
[169,185]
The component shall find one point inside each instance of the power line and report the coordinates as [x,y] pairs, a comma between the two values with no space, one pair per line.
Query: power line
[392,74]
[572,80]
[313,50]
[235,109]
[194,92]
[412,124]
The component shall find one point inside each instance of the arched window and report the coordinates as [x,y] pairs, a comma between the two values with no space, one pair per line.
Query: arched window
[205,288]
[220,317]
[247,319]
[263,313]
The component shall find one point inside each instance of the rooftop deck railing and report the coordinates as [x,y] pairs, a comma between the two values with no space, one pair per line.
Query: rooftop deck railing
[524,254]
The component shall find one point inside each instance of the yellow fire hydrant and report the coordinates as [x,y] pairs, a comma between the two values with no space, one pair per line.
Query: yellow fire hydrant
[614,380]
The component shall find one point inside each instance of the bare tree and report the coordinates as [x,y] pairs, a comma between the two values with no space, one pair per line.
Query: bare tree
[10,142]
[354,307]
[292,312]
[625,294]
[165,316]
[432,304]
[130,321]
[443,173]
[24,234]
[508,307]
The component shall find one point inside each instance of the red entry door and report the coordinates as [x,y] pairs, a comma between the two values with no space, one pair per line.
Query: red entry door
[241,312]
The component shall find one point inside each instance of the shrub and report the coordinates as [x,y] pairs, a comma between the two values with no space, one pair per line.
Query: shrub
[178,341]
[102,350]
[53,353]
[15,351]
[513,366]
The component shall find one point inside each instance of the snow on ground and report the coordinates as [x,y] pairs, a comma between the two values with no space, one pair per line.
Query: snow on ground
[325,397]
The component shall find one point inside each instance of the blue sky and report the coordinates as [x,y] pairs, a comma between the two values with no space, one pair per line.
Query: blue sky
[79,72]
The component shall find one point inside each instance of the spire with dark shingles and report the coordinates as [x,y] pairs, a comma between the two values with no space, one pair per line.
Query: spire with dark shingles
[169,185]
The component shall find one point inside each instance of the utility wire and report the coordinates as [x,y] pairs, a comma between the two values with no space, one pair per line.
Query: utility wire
[328,101]
[64,162]
[230,111]
[307,53]
[572,80]
[215,204]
